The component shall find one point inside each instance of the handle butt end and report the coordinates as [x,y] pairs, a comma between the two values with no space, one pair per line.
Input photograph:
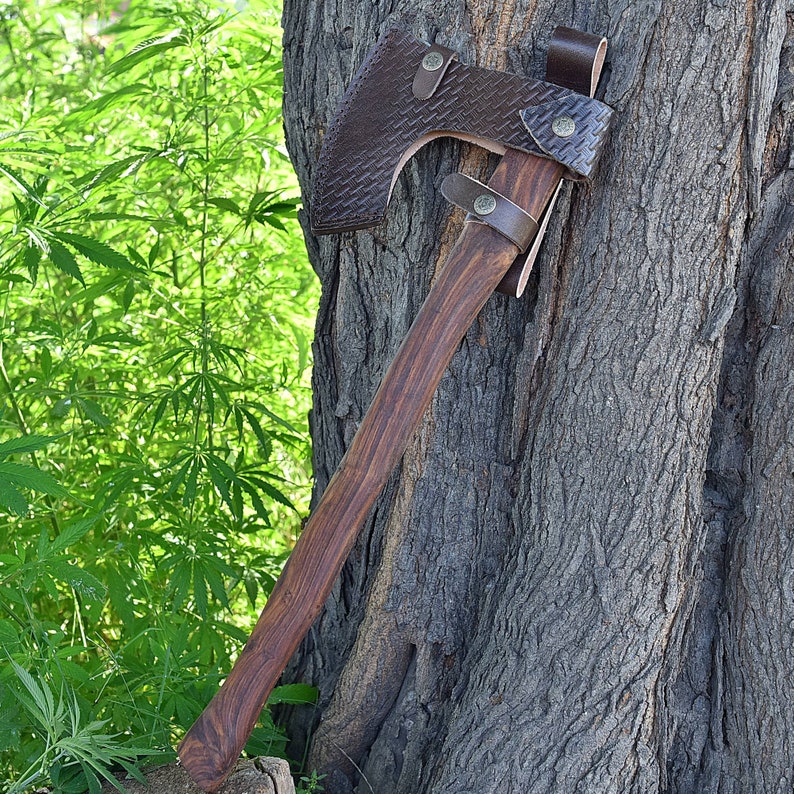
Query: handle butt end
[206,757]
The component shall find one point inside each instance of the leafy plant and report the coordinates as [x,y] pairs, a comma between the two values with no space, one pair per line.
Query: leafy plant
[77,754]
[15,478]
[311,783]
[156,309]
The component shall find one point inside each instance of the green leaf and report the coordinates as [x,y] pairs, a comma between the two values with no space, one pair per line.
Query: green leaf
[296,694]
[129,294]
[43,546]
[62,407]
[262,437]
[275,494]
[64,260]
[101,103]
[225,204]
[45,361]
[121,168]
[31,257]
[96,251]
[303,348]
[256,501]
[9,636]
[219,479]
[149,49]
[12,500]
[179,585]
[277,419]
[83,582]
[251,587]
[26,476]
[191,483]
[215,581]
[114,340]
[17,179]
[71,533]
[199,590]
[29,443]
[93,412]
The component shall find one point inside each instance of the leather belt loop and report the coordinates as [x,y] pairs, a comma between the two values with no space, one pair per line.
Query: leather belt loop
[575,61]
[485,205]
[431,70]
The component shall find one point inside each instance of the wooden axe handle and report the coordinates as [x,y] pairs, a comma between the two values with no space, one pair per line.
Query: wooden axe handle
[475,266]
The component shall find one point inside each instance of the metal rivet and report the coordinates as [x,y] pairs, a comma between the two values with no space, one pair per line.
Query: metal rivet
[432,61]
[563,126]
[484,204]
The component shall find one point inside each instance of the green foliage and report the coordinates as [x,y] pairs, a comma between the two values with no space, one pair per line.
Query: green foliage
[156,309]
[76,754]
[311,784]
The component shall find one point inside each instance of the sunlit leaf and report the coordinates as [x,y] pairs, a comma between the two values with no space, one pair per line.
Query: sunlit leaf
[101,103]
[150,48]
[96,251]
[64,260]
[21,444]
[83,582]
[17,180]
[121,168]
[71,533]
[22,475]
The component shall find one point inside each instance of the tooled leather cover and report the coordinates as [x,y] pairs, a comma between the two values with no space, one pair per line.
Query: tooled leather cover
[379,119]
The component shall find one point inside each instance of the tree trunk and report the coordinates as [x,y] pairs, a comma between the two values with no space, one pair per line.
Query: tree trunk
[581,577]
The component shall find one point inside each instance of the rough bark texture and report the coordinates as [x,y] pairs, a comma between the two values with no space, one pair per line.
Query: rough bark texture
[581,578]
[251,776]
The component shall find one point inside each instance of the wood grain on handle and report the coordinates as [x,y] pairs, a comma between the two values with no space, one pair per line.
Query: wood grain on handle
[474,268]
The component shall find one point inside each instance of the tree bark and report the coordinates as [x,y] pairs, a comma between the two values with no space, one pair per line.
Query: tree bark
[261,775]
[581,577]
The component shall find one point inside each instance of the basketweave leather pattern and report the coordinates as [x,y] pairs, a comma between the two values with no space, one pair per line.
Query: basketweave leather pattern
[569,151]
[379,120]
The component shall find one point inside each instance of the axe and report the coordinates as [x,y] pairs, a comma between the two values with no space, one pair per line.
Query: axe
[405,94]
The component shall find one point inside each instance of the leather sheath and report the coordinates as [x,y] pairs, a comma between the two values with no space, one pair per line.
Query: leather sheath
[380,123]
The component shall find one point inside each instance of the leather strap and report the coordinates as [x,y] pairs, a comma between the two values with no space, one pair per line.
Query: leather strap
[575,60]
[431,71]
[485,205]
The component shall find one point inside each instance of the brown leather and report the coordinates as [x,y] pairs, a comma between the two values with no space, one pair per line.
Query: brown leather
[515,280]
[516,224]
[380,124]
[574,61]
[563,143]
[428,78]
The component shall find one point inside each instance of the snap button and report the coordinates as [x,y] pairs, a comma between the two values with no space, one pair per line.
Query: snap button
[432,61]
[563,126]
[484,204]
